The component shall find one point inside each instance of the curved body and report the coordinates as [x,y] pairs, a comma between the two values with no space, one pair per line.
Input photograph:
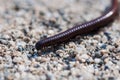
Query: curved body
[82,28]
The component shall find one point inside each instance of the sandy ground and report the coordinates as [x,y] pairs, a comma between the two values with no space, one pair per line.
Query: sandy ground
[94,56]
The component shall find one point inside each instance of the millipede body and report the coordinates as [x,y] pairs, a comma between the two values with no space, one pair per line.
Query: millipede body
[82,28]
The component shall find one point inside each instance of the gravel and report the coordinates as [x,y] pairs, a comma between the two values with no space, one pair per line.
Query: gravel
[94,56]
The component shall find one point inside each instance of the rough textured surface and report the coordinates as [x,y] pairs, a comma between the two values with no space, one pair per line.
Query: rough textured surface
[95,56]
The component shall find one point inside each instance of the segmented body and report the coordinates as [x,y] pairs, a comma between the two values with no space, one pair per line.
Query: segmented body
[82,28]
